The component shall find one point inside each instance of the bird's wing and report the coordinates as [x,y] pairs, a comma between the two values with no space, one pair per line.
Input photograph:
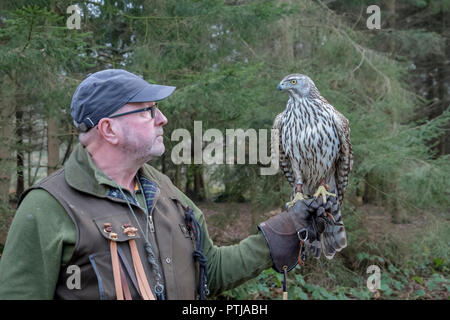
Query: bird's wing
[344,162]
[334,237]
[285,163]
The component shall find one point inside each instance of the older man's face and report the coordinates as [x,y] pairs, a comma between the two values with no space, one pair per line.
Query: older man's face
[142,135]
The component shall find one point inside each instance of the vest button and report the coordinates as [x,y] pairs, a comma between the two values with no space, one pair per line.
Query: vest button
[168,260]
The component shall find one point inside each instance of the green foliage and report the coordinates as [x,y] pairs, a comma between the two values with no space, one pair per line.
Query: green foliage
[226,59]
[407,39]
[218,56]
[37,56]
[417,271]
[35,38]
[39,60]
[6,214]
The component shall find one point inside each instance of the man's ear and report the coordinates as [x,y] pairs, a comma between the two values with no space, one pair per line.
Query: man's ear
[109,130]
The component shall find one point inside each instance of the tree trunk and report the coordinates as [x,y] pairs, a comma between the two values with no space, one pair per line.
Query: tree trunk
[188,189]
[390,5]
[6,155]
[178,176]
[444,80]
[370,194]
[20,186]
[72,133]
[286,47]
[443,105]
[199,185]
[52,146]
[195,187]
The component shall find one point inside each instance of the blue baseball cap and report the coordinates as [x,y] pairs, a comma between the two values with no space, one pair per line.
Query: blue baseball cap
[104,92]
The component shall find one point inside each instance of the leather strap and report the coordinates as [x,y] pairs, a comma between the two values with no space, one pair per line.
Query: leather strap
[285,292]
[116,269]
[128,268]
[140,273]
[299,258]
[126,289]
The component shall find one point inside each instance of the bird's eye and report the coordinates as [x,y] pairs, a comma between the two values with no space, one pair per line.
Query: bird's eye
[293,81]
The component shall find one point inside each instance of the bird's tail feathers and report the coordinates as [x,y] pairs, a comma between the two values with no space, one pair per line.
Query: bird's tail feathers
[313,248]
[332,240]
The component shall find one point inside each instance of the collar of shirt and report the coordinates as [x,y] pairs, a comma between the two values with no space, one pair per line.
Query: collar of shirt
[82,174]
[149,191]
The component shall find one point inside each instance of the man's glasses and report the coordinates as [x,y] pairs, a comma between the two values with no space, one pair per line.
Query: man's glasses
[152,111]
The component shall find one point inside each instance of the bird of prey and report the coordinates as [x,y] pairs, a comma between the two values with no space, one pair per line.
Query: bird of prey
[315,154]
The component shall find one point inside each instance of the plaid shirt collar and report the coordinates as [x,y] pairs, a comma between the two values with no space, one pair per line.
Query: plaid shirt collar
[149,191]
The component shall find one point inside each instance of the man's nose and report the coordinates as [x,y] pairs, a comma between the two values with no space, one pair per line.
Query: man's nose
[160,118]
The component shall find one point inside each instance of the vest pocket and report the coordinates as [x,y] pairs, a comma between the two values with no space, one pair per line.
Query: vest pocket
[99,278]
[102,267]
[101,264]
[117,228]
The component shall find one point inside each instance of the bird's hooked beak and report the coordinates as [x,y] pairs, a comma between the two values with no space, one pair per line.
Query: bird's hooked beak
[279,87]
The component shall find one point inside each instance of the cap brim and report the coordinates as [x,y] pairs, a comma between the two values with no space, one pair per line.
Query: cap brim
[153,92]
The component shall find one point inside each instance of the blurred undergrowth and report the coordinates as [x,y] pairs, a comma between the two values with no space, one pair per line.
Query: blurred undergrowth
[413,262]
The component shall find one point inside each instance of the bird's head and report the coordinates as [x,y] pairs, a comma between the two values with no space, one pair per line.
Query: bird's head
[297,84]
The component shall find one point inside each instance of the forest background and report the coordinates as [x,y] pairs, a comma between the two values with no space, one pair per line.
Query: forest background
[226,58]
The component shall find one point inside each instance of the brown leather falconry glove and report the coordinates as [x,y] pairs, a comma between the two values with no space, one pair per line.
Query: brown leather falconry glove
[283,232]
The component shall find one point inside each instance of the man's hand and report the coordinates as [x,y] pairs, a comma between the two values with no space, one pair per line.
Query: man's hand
[306,218]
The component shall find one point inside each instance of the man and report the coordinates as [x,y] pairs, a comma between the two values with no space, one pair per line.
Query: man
[110,226]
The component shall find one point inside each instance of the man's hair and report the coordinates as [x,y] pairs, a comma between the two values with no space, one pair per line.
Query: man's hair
[86,138]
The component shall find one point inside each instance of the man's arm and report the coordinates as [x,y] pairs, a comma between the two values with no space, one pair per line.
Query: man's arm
[41,237]
[230,266]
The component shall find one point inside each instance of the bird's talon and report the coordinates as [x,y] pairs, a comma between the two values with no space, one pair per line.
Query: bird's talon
[298,196]
[322,191]
[330,216]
